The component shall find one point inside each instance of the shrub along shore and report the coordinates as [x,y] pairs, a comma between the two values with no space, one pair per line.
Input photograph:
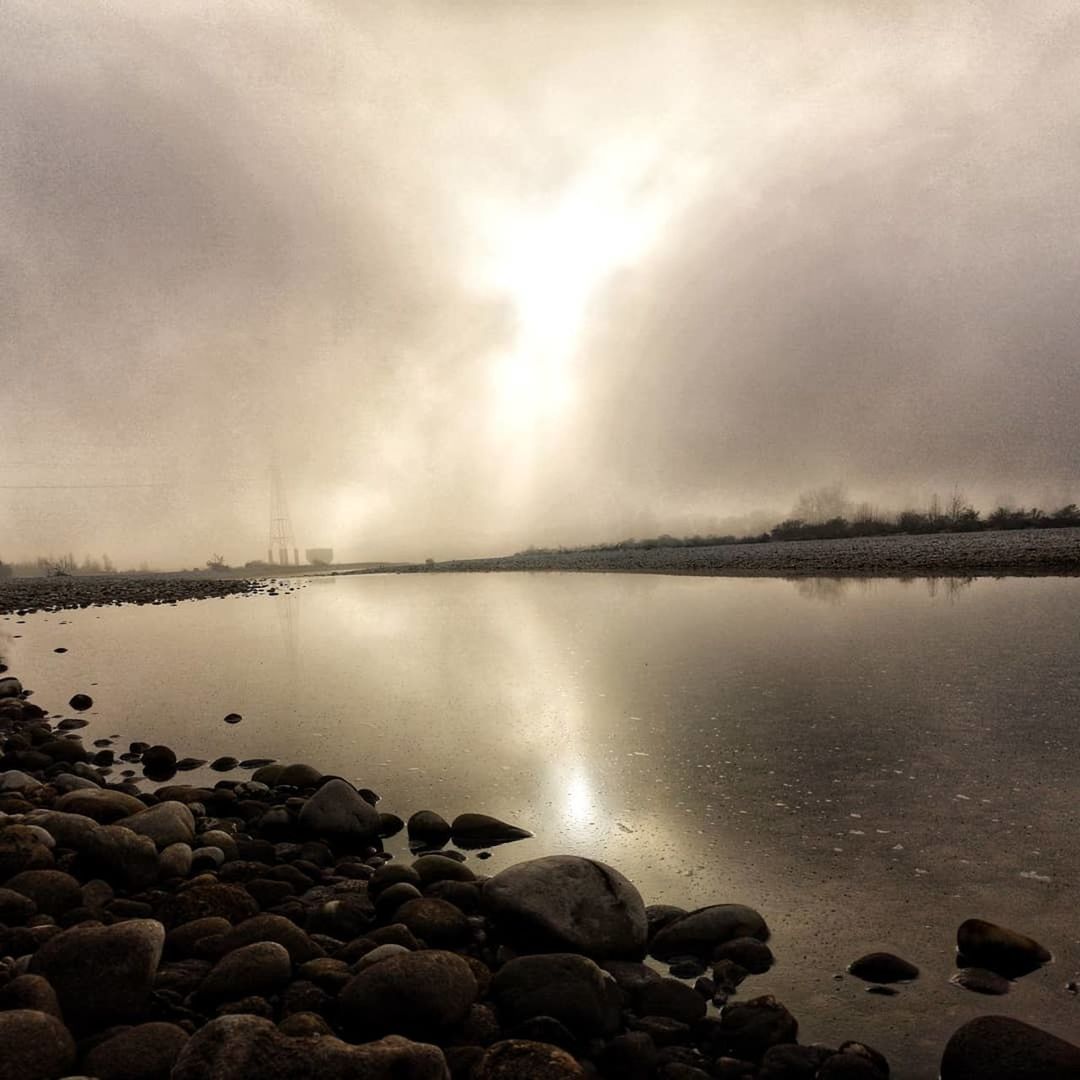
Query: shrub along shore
[257,928]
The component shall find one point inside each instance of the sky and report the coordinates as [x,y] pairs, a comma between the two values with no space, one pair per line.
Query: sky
[479,275]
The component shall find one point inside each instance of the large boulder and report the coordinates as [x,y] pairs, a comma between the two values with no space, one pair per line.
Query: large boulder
[565,903]
[1001,1048]
[567,986]
[997,948]
[240,1047]
[144,1052]
[410,993]
[167,823]
[34,1046]
[259,969]
[699,932]
[101,804]
[338,813]
[103,975]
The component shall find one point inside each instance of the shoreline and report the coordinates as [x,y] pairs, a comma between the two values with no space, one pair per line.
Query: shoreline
[1012,553]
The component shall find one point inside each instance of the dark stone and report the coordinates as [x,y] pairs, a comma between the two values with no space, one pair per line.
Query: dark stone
[699,932]
[30,992]
[883,967]
[437,922]
[102,975]
[102,805]
[567,903]
[298,776]
[569,987]
[748,1029]
[394,896]
[545,1029]
[428,828]
[686,967]
[81,702]
[35,1046]
[21,850]
[1001,1048]
[224,764]
[629,1056]
[389,825]
[471,831]
[432,868]
[242,1047]
[669,997]
[516,1059]
[158,759]
[258,969]
[464,895]
[422,992]
[144,1052]
[233,718]
[657,916]
[788,1061]
[997,948]
[203,900]
[274,928]
[338,815]
[52,891]
[752,955]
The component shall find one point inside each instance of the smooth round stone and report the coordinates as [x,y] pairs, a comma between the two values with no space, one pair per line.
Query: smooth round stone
[1001,1048]
[883,967]
[175,861]
[378,954]
[261,968]
[34,1046]
[1009,953]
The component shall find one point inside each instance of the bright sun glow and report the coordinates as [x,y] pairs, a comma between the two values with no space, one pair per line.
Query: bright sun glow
[550,261]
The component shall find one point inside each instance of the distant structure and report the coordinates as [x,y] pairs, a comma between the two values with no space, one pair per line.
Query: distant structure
[282,540]
[319,556]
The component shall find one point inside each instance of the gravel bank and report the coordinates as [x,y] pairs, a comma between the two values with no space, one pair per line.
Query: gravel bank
[983,554]
[24,595]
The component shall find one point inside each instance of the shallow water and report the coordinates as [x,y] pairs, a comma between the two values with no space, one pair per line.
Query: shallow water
[867,763]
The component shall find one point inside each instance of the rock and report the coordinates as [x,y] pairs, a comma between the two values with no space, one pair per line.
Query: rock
[35,1046]
[883,967]
[182,941]
[10,687]
[144,1052]
[516,1059]
[233,718]
[568,987]
[53,891]
[439,923]
[389,825]
[669,997]
[102,974]
[985,944]
[432,868]
[304,1025]
[120,856]
[21,851]
[426,991]
[336,813]
[165,824]
[81,702]
[380,953]
[392,873]
[299,776]
[753,956]
[205,900]
[15,780]
[30,992]
[175,861]
[699,932]
[274,928]
[1001,1048]
[567,903]
[428,828]
[224,764]
[67,830]
[981,981]
[15,907]
[159,759]
[258,969]
[748,1029]
[482,830]
[242,1047]
[102,805]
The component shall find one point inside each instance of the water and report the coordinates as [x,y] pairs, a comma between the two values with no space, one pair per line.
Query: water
[867,763]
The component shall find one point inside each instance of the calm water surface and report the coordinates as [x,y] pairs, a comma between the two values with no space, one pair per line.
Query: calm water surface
[867,763]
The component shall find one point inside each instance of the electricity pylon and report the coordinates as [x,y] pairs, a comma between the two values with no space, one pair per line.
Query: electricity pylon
[282,540]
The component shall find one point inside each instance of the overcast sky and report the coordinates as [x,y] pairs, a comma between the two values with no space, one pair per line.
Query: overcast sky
[485,274]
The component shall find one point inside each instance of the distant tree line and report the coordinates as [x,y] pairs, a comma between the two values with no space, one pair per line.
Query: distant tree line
[826,514]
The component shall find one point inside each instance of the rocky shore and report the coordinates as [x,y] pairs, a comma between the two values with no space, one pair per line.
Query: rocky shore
[257,928]
[21,596]
[994,554]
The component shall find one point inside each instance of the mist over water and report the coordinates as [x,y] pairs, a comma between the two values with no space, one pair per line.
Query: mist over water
[868,763]
[489,275]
